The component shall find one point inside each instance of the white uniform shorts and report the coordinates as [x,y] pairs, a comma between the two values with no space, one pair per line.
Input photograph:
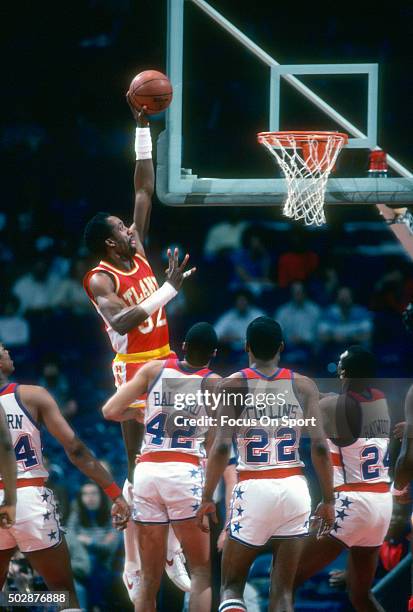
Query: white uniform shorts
[362,518]
[267,508]
[37,523]
[165,492]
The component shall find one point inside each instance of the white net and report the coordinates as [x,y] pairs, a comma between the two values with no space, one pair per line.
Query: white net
[306,159]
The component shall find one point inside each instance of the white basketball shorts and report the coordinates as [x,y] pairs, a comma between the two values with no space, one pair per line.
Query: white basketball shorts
[267,508]
[165,492]
[362,518]
[37,523]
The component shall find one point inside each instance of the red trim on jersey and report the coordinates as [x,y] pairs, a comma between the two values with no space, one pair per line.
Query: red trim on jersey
[375,395]
[366,487]
[167,456]
[279,374]
[27,482]
[336,460]
[174,364]
[274,473]
[410,604]
[9,388]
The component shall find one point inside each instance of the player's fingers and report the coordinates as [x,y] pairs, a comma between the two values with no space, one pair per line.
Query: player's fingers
[184,262]
[176,257]
[189,272]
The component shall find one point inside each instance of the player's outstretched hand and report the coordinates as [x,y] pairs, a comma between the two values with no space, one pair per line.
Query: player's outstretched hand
[205,510]
[322,522]
[120,513]
[139,114]
[7,516]
[175,274]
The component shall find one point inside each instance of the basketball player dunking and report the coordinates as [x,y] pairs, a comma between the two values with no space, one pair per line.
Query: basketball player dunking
[359,425]
[7,474]
[271,502]
[125,293]
[36,531]
[168,478]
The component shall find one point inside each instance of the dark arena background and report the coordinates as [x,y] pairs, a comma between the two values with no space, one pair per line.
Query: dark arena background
[66,152]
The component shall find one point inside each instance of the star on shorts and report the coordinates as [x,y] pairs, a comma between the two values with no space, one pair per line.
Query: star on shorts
[195,490]
[237,526]
[52,535]
[45,496]
[193,473]
[239,493]
[345,502]
[240,511]
[341,514]
[195,506]
[46,516]
[336,527]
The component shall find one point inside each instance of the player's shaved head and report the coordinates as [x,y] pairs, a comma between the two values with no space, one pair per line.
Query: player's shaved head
[201,342]
[358,362]
[97,230]
[264,338]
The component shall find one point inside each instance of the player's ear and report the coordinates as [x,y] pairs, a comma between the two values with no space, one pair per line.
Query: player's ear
[109,242]
[247,348]
[214,354]
[184,347]
[282,347]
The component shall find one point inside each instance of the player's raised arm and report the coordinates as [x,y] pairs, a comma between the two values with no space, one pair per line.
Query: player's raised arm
[8,474]
[404,467]
[320,454]
[117,408]
[144,179]
[78,453]
[123,318]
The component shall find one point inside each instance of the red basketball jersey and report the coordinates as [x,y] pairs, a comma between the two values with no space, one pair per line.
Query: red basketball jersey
[150,340]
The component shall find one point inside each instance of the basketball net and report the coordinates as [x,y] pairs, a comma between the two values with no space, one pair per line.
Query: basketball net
[306,160]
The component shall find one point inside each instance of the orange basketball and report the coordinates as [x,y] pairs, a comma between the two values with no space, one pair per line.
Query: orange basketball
[152,89]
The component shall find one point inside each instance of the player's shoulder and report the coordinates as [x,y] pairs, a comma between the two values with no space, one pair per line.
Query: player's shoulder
[34,396]
[305,386]
[100,282]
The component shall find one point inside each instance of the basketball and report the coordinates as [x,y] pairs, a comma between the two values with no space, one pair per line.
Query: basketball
[152,89]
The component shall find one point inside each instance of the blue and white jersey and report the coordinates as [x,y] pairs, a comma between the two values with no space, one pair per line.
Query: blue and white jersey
[166,426]
[24,433]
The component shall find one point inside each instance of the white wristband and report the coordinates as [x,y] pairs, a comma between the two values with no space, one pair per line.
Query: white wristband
[397,492]
[143,143]
[158,299]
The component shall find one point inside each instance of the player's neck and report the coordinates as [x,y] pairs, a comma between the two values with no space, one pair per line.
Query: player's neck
[123,263]
[187,364]
[266,367]
[4,380]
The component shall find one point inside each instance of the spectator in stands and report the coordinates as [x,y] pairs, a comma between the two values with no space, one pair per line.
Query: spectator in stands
[90,521]
[224,236]
[252,263]
[231,327]
[323,287]
[57,384]
[393,291]
[14,329]
[35,289]
[345,322]
[69,291]
[299,263]
[299,320]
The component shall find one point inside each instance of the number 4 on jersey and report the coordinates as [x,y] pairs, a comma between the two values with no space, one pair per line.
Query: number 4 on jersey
[25,453]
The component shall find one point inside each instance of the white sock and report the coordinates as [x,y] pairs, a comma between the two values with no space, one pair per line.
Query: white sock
[174,546]
[232,605]
[130,536]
